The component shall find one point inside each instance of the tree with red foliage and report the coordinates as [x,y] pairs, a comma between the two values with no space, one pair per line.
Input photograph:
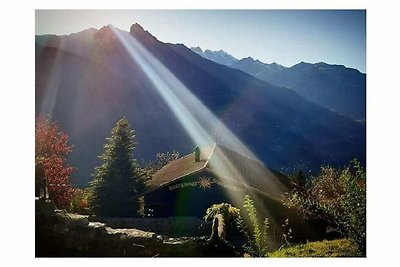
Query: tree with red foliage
[51,170]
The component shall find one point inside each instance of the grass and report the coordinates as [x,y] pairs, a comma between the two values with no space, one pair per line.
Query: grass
[333,248]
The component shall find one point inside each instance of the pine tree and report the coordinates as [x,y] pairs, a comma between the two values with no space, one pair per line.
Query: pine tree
[119,178]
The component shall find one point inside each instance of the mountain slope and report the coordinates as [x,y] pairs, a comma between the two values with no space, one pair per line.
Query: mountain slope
[87,90]
[335,87]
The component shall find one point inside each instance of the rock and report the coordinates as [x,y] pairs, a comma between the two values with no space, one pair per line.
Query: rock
[61,217]
[97,225]
[63,234]
[93,218]
[44,209]
[81,222]
[162,237]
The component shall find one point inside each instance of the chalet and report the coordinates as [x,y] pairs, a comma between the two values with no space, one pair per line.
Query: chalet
[215,174]
[211,175]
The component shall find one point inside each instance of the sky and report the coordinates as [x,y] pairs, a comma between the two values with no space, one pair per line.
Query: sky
[286,37]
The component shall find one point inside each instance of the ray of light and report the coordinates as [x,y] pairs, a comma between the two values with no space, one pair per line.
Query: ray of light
[194,116]
[163,81]
[49,98]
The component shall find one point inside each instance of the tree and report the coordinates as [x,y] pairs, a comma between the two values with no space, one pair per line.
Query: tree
[51,170]
[119,178]
[79,201]
[299,179]
[337,196]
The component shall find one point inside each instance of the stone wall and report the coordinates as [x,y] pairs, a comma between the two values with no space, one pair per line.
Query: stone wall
[61,234]
[171,226]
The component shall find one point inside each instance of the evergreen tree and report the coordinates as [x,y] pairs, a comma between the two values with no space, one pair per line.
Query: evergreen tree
[300,179]
[119,178]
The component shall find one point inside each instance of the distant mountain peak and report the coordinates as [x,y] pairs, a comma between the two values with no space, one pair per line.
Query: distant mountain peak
[248,58]
[87,31]
[138,31]
[277,65]
[220,56]
[197,49]
[319,65]
[106,27]
[104,34]
[225,58]
[136,27]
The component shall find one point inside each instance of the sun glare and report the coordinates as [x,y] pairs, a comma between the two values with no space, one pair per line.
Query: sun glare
[193,115]
[52,84]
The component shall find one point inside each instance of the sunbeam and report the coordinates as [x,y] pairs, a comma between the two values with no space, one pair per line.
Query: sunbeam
[52,84]
[194,116]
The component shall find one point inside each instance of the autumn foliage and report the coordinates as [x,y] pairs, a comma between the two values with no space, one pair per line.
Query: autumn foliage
[51,168]
[79,202]
[338,197]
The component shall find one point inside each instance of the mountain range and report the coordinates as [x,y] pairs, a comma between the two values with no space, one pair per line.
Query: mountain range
[88,81]
[220,56]
[335,87]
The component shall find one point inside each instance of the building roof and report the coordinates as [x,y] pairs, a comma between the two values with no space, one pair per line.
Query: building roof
[228,165]
[249,172]
[180,167]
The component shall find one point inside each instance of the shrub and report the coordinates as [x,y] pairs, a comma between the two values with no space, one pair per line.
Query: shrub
[337,196]
[258,233]
[79,202]
[230,213]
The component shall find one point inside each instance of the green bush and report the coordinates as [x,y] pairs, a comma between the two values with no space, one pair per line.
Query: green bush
[79,202]
[257,233]
[230,213]
[337,196]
